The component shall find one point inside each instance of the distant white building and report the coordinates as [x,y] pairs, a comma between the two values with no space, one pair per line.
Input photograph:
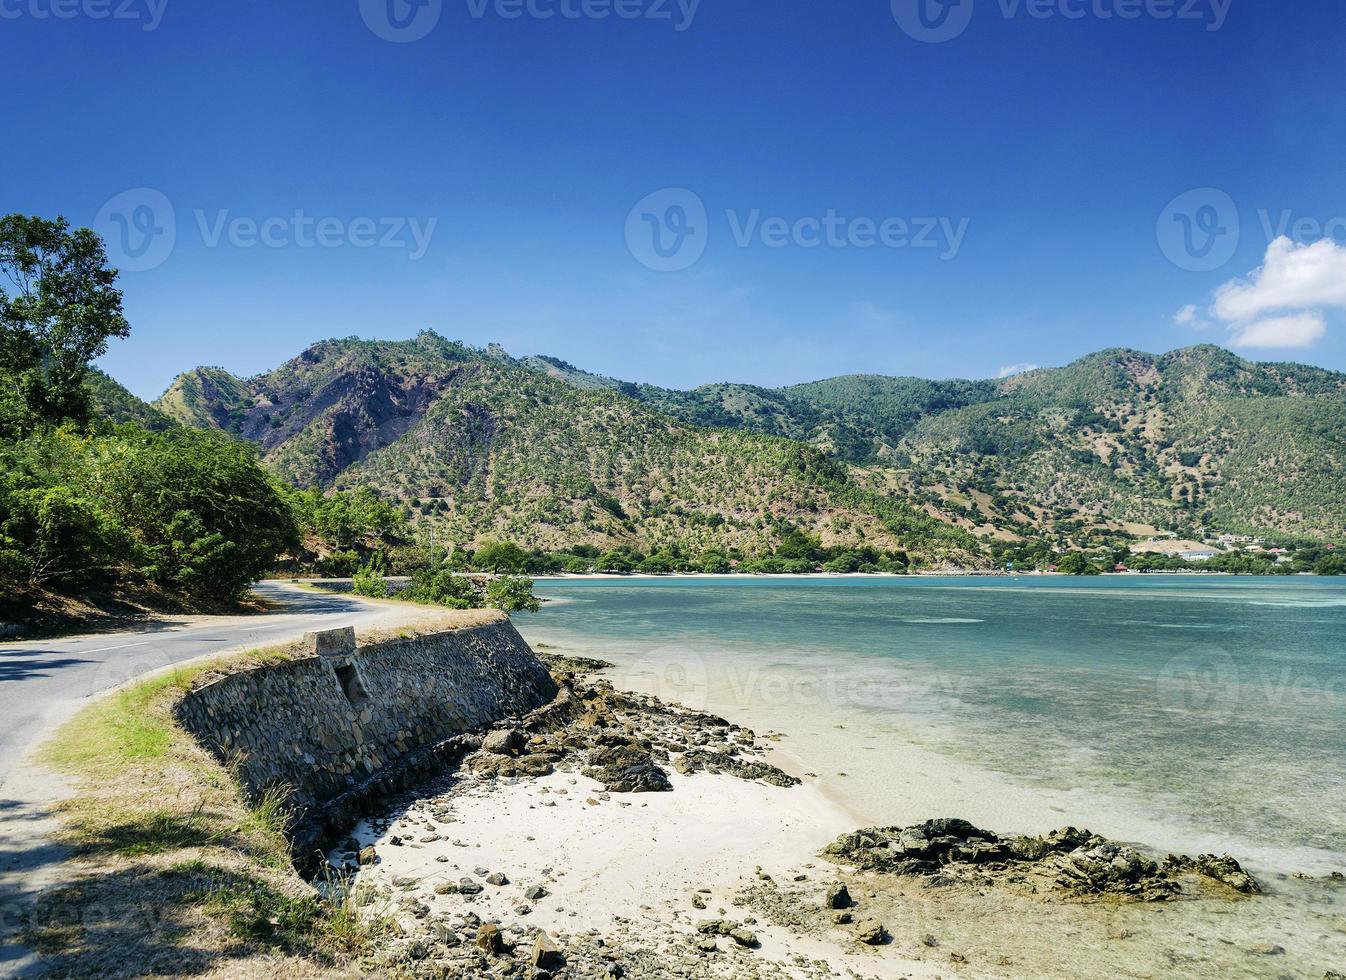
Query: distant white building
[1198,554]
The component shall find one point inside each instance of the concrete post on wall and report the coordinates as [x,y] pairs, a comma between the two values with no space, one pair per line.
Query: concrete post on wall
[336,649]
[332,644]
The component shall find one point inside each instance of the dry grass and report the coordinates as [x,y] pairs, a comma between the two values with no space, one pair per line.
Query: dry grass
[175,872]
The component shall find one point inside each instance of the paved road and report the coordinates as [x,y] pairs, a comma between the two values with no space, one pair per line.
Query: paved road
[45,682]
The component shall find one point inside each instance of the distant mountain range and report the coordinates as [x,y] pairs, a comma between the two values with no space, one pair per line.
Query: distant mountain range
[480,444]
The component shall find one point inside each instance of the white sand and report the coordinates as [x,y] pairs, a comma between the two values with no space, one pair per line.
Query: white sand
[631,859]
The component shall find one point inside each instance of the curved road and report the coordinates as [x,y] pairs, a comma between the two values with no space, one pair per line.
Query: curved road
[45,682]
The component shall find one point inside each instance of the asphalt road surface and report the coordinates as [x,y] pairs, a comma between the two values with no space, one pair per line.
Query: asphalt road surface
[45,682]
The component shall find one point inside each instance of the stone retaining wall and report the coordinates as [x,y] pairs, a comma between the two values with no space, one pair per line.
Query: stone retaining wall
[326,727]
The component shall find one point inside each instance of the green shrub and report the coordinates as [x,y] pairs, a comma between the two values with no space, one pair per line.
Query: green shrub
[442,588]
[512,594]
[368,582]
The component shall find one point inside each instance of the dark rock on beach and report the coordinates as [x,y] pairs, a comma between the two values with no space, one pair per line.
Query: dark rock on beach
[838,896]
[1069,861]
[727,761]
[627,769]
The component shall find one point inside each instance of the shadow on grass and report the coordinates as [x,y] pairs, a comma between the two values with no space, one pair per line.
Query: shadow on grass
[187,919]
[156,832]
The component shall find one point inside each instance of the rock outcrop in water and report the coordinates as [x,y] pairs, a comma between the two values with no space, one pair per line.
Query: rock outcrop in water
[1070,862]
[627,742]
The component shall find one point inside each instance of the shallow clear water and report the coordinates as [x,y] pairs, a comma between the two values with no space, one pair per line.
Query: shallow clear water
[1181,712]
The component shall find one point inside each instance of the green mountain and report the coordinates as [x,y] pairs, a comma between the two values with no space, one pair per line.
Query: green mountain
[1124,440]
[110,400]
[1197,438]
[535,449]
[479,445]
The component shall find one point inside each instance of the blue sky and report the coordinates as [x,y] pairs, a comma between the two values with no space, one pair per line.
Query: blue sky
[870,200]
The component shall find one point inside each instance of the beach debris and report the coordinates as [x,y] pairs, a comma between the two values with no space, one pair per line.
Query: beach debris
[368,856]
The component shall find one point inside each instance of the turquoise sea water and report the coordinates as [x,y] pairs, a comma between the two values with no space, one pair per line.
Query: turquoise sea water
[1181,712]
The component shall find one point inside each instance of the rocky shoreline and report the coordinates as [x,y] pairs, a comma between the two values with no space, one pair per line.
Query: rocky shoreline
[671,894]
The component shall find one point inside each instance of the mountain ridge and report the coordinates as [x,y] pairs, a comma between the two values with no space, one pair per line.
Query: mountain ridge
[539,449]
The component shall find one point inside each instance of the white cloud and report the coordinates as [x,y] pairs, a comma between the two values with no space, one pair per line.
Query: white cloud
[1294,330]
[1292,277]
[1010,370]
[1186,317]
[1283,303]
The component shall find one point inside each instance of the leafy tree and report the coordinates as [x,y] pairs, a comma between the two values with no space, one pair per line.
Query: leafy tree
[659,564]
[512,593]
[576,565]
[189,512]
[339,564]
[1073,563]
[501,557]
[618,562]
[715,563]
[1330,564]
[59,306]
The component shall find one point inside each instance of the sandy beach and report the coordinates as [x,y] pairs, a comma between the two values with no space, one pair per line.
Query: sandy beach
[722,875]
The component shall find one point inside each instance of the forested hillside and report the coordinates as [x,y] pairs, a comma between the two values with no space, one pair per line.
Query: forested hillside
[479,446]
[1197,438]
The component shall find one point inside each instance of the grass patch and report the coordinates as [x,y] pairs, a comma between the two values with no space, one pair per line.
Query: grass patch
[173,860]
